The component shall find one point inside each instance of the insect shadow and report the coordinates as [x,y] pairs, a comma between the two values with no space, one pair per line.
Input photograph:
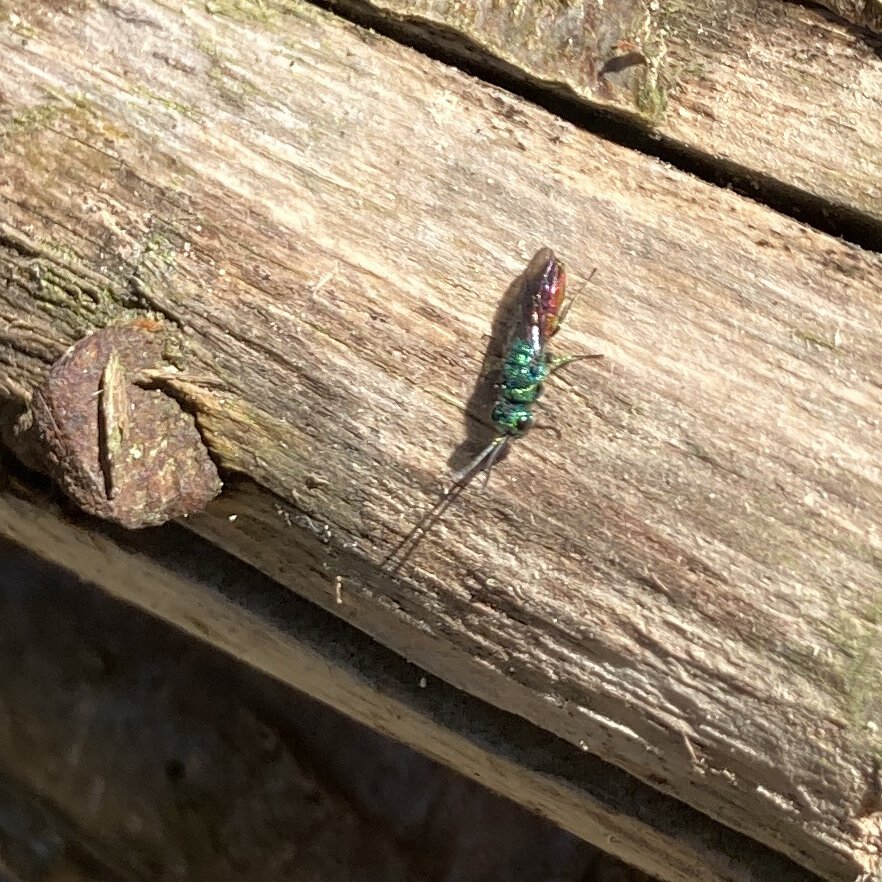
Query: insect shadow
[480,432]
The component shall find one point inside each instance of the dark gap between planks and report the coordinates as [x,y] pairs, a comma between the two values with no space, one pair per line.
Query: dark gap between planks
[453,48]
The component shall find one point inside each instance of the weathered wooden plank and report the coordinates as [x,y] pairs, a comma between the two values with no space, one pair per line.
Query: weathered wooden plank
[783,94]
[129,751]
[685,587]
[217,599]
[863,13]
[151,767]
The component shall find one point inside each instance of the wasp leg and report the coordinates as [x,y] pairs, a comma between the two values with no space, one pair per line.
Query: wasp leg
[548,429]
[556,363]
[485,458]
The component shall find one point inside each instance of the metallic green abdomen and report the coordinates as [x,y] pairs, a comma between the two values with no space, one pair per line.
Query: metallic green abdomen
[523,373]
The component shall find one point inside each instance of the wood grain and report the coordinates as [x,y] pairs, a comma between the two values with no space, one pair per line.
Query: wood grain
[214,598]
[127,739]
[684,585]
[782,94]
[863,13]
[141,757]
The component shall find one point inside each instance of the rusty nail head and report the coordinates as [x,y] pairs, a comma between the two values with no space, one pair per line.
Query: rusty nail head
[127,454]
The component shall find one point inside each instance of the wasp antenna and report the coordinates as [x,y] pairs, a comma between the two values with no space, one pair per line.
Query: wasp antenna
[569,304]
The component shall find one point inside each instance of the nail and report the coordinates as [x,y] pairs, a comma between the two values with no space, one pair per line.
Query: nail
[122,452]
